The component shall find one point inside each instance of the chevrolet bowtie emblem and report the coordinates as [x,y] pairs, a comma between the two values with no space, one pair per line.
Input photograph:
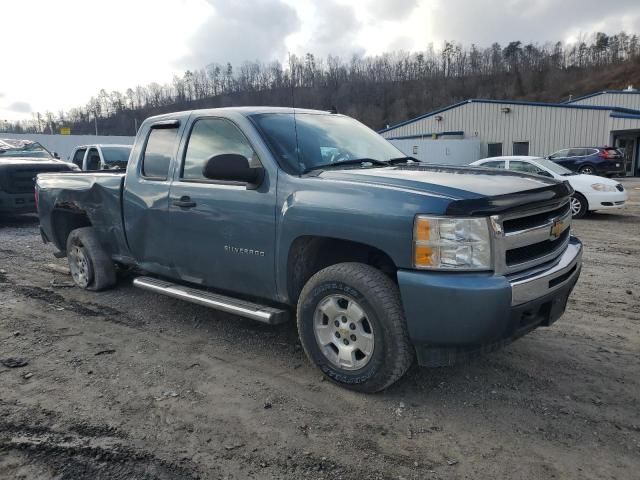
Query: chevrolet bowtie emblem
[556,229]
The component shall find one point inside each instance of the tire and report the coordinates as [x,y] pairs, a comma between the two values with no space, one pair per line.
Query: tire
[91,267]
[587,170]
[380,346]
[579,205]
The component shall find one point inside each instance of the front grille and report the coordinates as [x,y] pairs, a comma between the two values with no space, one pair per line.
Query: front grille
[532,221]
[620,187]
[22,179]
[527,239]
[536,250]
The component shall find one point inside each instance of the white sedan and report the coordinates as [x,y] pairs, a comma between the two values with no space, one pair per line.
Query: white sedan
[591,192]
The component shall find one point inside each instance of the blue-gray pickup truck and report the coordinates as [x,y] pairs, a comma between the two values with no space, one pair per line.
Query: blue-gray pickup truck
[273,213]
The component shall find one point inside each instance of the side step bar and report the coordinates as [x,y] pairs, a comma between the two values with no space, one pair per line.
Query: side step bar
[261,313]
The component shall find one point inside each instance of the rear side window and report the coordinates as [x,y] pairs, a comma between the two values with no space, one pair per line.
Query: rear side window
[161,145]
[93,159]
[78,157]
[494,164]
[579,152]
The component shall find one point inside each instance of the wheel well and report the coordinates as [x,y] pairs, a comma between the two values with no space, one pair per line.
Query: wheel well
[64,222]
[309,254]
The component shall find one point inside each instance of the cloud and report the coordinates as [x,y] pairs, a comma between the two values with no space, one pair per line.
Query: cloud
[392,9]
[19,107]
[335,31]
[483,23]
[240,31]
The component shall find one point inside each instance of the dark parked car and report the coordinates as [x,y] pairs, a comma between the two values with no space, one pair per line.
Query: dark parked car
[607,161]
[20,162]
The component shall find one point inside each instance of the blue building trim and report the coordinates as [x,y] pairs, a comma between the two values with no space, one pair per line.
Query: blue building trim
[603,92]
[427,135]
[511,102]
[625,115]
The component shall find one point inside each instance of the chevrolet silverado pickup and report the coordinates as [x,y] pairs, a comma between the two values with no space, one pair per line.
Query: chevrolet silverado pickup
[274,213]
[20,162]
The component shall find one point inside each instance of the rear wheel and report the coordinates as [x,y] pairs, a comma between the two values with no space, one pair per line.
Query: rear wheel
[587,170]
[91,267]
[351,325]
[579,205]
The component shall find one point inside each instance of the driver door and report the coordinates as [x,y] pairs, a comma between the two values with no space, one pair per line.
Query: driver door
[223,234]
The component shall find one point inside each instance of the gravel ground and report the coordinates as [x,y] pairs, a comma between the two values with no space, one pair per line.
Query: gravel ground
[129,384]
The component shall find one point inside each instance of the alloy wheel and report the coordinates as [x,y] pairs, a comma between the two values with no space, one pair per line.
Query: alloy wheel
[343,332]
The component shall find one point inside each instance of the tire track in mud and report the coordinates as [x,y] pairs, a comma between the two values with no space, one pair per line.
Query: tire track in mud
[86,309]
[71,455]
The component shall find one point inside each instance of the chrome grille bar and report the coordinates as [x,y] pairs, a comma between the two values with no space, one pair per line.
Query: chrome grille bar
[548,228]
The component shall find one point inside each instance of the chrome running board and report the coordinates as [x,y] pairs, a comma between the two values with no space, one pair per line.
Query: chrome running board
[261,313]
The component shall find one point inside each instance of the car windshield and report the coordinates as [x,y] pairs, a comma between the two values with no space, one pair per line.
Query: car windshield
[554,167]
[23,148]
[322,141]
[116,155]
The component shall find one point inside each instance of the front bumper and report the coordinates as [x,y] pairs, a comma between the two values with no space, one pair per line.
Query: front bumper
[17,203]
[451,316]
[610,167]
[607,200]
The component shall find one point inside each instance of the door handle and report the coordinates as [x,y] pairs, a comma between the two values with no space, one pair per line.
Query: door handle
[184,202]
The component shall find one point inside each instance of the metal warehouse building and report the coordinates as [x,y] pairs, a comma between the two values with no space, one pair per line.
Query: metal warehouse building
[528,128]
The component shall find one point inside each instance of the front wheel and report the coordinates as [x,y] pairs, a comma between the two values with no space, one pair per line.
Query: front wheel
[579,205]
[352,326]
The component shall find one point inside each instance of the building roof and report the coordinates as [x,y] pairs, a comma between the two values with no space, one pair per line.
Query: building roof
[604,92]
[619,110]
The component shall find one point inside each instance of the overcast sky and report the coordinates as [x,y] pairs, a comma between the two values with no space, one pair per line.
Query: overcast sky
[57,54]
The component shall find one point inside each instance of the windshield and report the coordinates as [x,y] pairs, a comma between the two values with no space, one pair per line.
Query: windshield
[554,167]
[23,148]
[118,155]
[322,140]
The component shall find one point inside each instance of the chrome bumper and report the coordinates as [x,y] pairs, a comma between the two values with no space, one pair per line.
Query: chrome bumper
[544,282]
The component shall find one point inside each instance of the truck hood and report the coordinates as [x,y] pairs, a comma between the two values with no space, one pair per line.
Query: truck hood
[472,190]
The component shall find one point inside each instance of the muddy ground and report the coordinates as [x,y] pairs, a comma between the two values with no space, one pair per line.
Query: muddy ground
[129,384]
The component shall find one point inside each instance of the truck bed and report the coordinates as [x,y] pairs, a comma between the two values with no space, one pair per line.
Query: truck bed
[97,194]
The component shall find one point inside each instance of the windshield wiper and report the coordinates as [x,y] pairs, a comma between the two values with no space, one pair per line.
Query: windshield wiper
[354,161]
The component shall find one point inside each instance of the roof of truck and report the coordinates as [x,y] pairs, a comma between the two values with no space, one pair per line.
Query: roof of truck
[246,111]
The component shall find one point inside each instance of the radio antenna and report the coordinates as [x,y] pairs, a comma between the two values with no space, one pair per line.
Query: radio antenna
[293,105]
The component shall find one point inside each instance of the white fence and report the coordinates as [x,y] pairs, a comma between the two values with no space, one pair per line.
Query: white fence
[64,144]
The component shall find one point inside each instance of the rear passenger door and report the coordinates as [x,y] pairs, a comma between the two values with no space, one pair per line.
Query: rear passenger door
[146,195]
[222,234]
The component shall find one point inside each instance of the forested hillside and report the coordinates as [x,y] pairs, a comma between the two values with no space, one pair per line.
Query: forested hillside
[378,90]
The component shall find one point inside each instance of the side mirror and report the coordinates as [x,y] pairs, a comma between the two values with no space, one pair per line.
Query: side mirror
[231,167]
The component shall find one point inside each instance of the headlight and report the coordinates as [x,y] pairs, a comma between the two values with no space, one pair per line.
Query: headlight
[451,243]
[601,187]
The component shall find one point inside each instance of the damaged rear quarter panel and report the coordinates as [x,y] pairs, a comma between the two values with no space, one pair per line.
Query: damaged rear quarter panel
[98,195]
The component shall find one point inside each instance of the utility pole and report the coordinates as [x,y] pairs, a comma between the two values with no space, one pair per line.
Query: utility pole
[95,120]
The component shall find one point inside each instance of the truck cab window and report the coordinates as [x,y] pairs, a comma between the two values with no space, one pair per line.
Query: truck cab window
[93,159]
[210,137]
[161,146]
[78,157]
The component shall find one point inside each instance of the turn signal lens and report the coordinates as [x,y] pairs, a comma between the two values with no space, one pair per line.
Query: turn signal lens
[423,256]
[422,230]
